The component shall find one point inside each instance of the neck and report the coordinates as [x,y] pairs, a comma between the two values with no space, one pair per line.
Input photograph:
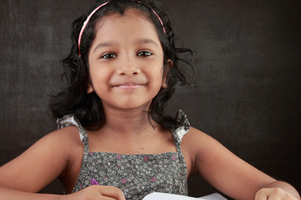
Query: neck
[128,122]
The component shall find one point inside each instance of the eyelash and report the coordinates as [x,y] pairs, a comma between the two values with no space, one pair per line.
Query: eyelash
[146,53]
[112,55]
[108,56]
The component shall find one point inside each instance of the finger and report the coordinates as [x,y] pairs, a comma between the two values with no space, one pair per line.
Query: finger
[111,192]
[262,194]
[106,198]
[273,194]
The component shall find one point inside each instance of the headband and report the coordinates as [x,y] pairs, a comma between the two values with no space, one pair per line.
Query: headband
[92,13]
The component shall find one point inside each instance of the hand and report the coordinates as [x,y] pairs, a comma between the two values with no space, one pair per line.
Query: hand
[273,194]
[98,192]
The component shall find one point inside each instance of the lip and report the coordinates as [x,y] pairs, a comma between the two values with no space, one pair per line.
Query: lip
[129,86]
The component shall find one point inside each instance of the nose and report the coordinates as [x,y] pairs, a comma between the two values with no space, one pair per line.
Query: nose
[128,67]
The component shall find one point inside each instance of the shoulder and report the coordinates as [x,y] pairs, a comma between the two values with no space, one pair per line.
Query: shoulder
[203,148]
[64,149]
[195,138]
[62,144]
[72,148]
[64,137]
[68,143]
[204,151]
[194,142]
[68,134]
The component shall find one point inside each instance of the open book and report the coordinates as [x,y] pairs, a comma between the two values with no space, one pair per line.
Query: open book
[166,196]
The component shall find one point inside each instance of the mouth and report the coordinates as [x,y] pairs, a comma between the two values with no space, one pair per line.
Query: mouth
[129,86]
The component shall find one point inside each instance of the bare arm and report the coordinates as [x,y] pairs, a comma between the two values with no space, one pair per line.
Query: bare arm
[46,160]
[228,173]
[37,166]
[95,192]
[10,194]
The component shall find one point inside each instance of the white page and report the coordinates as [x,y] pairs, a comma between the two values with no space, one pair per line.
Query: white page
[166,196]
[214,196]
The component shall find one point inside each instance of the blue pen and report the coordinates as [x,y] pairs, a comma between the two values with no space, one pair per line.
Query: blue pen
[93,182]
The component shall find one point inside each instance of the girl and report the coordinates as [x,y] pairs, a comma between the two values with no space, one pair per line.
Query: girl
[113,131]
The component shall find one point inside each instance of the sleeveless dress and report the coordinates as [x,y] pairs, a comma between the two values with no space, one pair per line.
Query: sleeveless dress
[137,175]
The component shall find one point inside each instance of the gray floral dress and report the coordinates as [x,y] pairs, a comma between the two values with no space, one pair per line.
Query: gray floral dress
[136,175]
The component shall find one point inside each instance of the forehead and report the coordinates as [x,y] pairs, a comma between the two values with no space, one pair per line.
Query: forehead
[132,19]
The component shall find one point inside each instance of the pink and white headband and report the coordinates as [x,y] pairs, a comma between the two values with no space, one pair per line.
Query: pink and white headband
[92,13]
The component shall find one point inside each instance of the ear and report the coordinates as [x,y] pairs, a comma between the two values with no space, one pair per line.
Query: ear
[89,88]
[89,84]
[169,65]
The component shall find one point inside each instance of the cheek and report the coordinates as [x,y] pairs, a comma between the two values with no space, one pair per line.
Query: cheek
[99,77]
[158,78]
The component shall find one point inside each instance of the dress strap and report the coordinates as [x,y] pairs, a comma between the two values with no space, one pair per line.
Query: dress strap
[178,133]
[183,127]
[71,120]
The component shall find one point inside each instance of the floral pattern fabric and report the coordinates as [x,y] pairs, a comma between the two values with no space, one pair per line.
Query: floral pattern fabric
[136,175]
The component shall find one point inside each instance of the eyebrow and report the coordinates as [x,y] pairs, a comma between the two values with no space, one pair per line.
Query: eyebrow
[113,43]
[147,41]
[105,44]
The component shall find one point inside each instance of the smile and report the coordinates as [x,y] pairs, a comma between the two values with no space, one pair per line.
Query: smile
[129,86]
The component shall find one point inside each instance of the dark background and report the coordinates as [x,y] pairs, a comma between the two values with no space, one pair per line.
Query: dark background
[247,72]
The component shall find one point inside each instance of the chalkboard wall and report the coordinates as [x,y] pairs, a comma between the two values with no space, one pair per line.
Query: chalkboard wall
[247,72]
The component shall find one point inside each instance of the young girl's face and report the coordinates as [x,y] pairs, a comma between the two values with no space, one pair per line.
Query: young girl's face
[126,61]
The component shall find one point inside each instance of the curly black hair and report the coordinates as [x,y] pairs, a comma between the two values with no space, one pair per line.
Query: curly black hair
[88,108]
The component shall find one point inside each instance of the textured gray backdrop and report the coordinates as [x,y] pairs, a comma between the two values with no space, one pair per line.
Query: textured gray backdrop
[247,71]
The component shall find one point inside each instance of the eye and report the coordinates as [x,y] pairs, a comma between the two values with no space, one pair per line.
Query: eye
[108,56]
[144,53]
